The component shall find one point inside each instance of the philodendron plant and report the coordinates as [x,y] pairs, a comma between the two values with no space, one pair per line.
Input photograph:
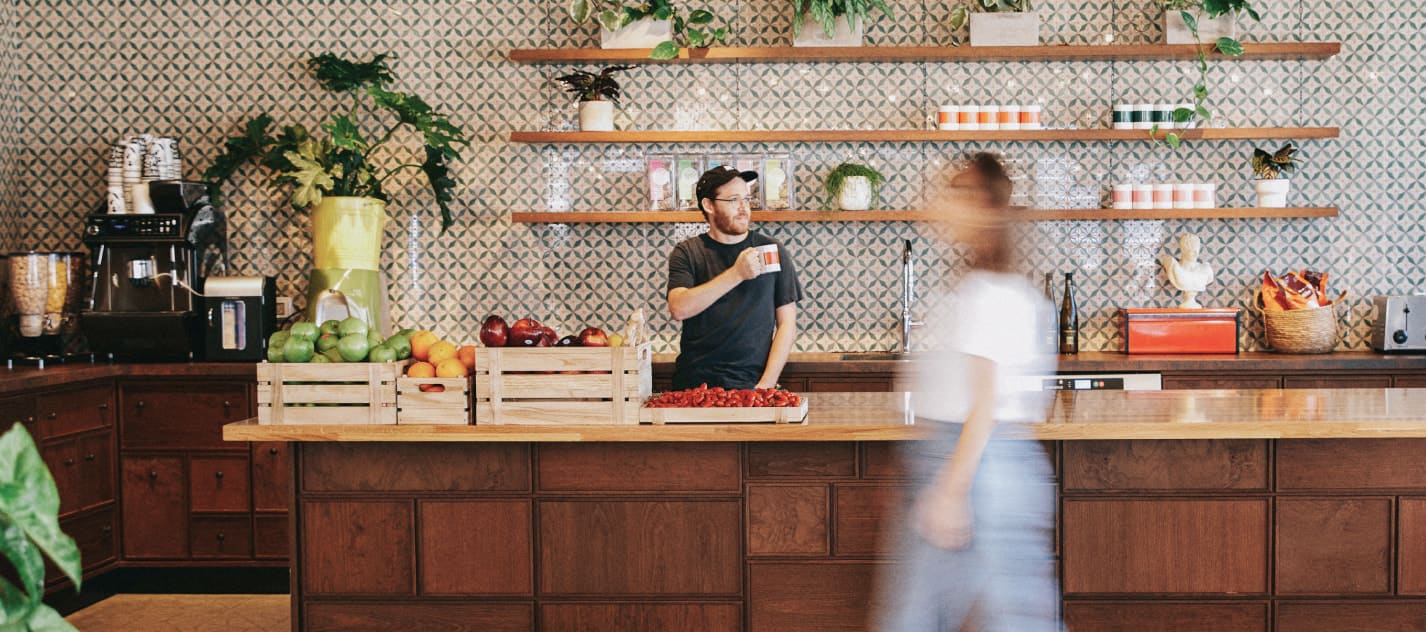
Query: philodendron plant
[29,532]
[826,12]
[695,31]
[1225,45]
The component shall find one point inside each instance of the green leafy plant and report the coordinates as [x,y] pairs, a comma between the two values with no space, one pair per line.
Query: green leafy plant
[837,178]
[588,86]
[1189,10]
[1271,166]
[342,163]
[826,12]
[696,31]
[29,532]
[960,16]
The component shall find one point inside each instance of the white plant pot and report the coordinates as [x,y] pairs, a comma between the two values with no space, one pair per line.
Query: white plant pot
[1272,193]
[596,116]
[843,35]
[1176,30]
[645,33]
[856,194]
[1005,29]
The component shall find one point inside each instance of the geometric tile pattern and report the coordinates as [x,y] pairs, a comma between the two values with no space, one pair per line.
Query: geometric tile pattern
[76,77]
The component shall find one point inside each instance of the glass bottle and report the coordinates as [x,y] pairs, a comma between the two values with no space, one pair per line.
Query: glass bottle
[1069,318]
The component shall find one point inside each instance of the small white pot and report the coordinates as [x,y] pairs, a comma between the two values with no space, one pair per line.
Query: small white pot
[1272,193]
[1209,30]
[856,194]
[843,35]
[645,33]
[1005,29]
[596,116]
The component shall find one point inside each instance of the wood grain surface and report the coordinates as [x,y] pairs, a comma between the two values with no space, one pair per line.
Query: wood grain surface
[787,519]
[357,548]
[1165,465]
[427,617]
[1333,546]
[710,467]
[1143,616]
[411,467]
[641,617]
[475,547]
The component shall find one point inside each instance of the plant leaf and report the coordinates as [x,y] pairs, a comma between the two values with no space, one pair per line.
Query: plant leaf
[1182,115]
[1252,14]
[345,133]
[1190,21]
[442,185]
[959,16]
[310,176]
[1229,46]
[45,619]
[29,502]
[700,16]
[1172,139]
[610,20]
[663,13]
[340,75]
[579,10]
[1200,91]
[665,50]
[1204,113]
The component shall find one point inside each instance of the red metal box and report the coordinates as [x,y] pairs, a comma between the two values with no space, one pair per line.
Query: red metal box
[1208,330]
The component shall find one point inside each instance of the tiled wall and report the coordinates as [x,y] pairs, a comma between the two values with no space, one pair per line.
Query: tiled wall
[77,76]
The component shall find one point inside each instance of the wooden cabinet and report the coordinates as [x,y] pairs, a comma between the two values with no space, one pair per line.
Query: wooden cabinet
[272,476]
[164,415]
[1333,546]
[220,538]
[1215,382]
[824,597]
[1154,616]
[155,508]
[641,617]
[218,484]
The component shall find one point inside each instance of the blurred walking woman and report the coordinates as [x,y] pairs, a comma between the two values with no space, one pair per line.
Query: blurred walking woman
[977,539]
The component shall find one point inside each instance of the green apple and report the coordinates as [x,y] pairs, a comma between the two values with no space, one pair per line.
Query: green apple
[401,345]
[327,341]
[352,325]
[330,326]
[306,331]
[274,352]
[297,349]
[277,339]
[374,338]
[381,353]
[333,355]
[318,358]
[353,347]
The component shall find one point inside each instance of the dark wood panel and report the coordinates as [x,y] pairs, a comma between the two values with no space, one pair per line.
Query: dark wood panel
[356,548]
[1333,546]
[180,415]
[1124,546]
[1216,382]
[1337,381]
[640,548]
[864,512]
[221,538]
[883,459]
[1139,616]
[632,467]
[1411,546]
[94,534]
[62,458]
[811,597]
[1310,464]
[1165,465]
[1409,381]
[155,507]
[398,467]
[14,410]
[806,459]
[858,385]
[787,519]
[218,483]
[270,537]
[73,410]
[427,617]
[475,547]
[272,476]
[1351,616]
[641,617]
[96,468]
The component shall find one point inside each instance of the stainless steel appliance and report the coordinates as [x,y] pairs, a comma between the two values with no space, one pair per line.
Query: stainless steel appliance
[240,312]
[148,272]
[1400,325]
[1091,382]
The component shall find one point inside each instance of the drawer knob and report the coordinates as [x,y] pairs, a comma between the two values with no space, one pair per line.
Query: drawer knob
[51,416]
[89,457]
[107,529]
[69,461]
[272,451]
[104,406]
[153,475]
[227,404]
[139,404]
[30,419]
[219,475]
[222,537]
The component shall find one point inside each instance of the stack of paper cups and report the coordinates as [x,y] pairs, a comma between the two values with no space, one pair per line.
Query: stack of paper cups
[1007,117]
[1203,195]
[1122,196]
[1143,196]
[1163,196]
[1030,117]
[1182,195]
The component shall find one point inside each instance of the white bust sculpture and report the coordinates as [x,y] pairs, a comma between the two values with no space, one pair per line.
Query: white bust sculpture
[1187,273]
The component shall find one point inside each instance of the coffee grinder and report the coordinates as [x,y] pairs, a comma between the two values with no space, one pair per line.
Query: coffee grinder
[149,269]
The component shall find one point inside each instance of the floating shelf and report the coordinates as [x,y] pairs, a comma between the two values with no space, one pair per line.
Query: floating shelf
[787,54]
[912,135]
[668,217]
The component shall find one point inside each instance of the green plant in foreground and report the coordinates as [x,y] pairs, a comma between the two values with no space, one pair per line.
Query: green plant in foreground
[342,164]
[588,86]
[29,532]
[694,32]
[826,12]
[1271,166]
[1225,45]
[837,178]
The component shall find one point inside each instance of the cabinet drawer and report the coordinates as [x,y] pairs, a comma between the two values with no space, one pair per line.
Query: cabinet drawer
[95,456]
[74,410]
[272,477]
[184,415]
[94,534]
[14,410]
[218,483]
[62,459]
[222,538]
[155,508]
[1144,616]
[270,537]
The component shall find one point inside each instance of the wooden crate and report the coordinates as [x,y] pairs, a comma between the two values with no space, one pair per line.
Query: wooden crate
[732,415]
[337,393]
[448,407]
[561,385]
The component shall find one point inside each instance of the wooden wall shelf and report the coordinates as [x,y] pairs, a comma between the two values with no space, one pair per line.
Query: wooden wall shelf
[912,135]
[965,54]
[668,217]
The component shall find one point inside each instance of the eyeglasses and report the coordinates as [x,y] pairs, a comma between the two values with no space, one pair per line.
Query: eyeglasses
[744,200]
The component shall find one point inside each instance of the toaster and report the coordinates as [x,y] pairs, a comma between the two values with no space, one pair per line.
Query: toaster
[1400,325]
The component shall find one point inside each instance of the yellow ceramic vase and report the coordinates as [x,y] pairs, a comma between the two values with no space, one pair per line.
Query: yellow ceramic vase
[347,233]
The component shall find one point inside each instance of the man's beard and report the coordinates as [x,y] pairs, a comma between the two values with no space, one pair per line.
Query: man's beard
[728,225]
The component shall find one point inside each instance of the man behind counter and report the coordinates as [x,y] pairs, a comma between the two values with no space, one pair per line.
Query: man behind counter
[738,325]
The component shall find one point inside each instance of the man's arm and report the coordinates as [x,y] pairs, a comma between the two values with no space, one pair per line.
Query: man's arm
[687,302]
[782,339]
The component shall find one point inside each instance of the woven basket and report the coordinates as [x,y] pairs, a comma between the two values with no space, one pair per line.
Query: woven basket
[1312,330]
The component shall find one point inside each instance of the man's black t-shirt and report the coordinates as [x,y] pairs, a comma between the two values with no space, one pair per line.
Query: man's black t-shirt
[727,344]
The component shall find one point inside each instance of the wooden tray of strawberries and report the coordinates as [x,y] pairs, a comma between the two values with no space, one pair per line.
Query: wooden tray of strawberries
[718,405]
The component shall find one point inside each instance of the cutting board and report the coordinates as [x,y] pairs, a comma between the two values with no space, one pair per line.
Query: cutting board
[744,415]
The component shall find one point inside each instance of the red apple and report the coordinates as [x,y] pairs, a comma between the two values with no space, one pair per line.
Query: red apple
[568,341]
[526,332]
[593,337]
[549,337]
[494,332]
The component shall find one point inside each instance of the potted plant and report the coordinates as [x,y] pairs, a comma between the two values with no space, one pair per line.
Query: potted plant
[29,511]
[855,187]
[998,22]
[1189,12]
[654,24]
[842,21]
[598,95]
[338,180]
[1270,174]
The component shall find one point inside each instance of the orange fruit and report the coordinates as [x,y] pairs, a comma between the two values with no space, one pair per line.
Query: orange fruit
[421,342]
[440,352]
[451,367]
[421,369]
[466,355]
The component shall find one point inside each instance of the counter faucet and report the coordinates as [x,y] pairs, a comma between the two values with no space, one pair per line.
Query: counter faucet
[908,297]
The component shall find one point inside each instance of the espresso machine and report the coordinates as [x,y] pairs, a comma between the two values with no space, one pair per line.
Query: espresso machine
[148,274]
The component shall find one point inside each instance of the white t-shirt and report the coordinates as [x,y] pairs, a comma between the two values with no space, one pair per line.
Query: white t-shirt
[996,316]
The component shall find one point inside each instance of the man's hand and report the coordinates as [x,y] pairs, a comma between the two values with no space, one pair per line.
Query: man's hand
[944,519]
[746,267]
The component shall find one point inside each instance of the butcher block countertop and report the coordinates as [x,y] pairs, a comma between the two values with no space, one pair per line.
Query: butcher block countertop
[1074,415]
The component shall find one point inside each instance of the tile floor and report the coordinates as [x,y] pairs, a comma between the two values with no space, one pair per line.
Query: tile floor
[186,613]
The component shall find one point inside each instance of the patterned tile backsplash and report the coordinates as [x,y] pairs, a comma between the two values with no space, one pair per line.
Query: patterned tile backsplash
[76,76]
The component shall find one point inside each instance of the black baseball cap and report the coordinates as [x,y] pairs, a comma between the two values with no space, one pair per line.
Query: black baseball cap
[716,177]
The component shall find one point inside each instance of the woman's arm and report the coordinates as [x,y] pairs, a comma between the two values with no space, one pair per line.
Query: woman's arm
[943,515]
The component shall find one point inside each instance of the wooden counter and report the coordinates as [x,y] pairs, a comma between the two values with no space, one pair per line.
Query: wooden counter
[1088,415]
